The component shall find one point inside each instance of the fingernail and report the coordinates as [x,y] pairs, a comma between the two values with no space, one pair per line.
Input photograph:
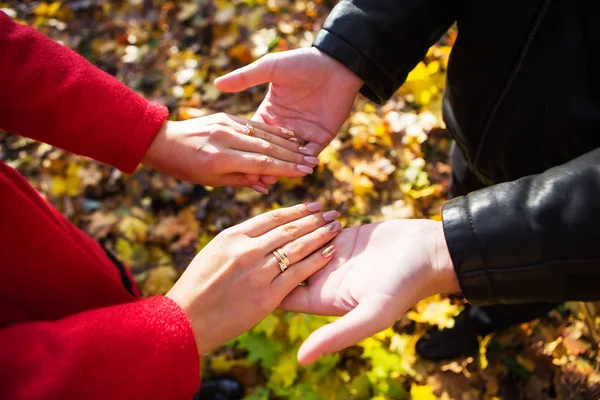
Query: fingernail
[328,252]
[314,207]
[311,160]
[288,132]
[260,189]
[330,215]
[334,226]
[305,150]
[305,169]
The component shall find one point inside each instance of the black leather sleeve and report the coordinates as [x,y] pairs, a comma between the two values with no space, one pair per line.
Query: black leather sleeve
[381,41]
[534,239]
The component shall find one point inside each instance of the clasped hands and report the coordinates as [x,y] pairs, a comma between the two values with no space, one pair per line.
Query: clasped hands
[368,275]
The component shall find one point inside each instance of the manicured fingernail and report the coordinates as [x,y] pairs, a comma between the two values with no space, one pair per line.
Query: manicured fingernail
[330,215]
[328,252]
[334,226]
[304,168]
[305,150]
[314,207]
[311,160]
[260,189]
[288,132]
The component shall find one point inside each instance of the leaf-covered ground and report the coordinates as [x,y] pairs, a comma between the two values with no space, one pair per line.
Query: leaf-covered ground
[387,162]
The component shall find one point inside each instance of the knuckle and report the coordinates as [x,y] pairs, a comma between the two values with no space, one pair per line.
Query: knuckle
[266,146]
[234,236]
[215,131]
[276,215]
[291,230]
[301,210]
[264,162]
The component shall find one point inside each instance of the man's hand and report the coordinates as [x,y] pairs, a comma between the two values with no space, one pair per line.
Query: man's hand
[378,272]
[220,150]
[310,93]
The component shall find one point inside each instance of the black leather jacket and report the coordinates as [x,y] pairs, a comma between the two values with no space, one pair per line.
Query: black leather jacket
[523,103]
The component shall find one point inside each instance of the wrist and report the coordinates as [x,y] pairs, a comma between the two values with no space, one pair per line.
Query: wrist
[446,280]
[157,148]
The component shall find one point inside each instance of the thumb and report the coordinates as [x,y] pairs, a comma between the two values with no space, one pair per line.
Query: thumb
[257,73]
[366,319]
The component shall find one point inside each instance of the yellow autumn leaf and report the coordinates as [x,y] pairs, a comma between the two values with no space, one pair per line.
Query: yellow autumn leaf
[425,192]
[134,229]
[424,392]
[69,184]
[222,363]
[362,186]
[435,311]
[483,361]
[419,73]
[203,240]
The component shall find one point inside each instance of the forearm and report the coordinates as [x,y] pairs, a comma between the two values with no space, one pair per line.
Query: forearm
[50,93]
[381,41]
[534,239]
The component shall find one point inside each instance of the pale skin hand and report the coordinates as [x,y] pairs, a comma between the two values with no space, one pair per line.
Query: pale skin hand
[215,151]
[235,281]
[310,93]
[378,272]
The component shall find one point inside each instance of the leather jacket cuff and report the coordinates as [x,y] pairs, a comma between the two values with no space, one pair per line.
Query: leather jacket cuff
[377,87]
[465,252]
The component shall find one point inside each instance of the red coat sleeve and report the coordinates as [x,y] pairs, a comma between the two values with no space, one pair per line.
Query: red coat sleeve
[51,94]
[140,350]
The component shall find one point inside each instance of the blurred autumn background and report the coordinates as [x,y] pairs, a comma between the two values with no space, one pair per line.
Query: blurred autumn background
[387,162]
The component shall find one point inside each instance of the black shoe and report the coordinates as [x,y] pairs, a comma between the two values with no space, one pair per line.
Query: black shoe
[220,389]
[461,340]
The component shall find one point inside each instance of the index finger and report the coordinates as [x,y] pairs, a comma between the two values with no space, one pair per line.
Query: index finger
[268,221]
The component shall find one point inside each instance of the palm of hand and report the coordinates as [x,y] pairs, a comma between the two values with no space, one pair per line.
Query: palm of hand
[378,272]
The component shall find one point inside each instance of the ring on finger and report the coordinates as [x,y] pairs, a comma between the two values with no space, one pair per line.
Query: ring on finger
[249,129]
[282,264]
[283,256]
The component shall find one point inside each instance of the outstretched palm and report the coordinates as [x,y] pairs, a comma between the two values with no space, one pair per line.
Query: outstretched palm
[378,272]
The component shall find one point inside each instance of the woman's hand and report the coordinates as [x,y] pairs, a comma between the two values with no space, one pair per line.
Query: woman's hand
[236,280]
[217,150]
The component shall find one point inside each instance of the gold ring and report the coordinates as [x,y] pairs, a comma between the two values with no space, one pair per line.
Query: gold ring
[249,129]
[283,256]
[282,265]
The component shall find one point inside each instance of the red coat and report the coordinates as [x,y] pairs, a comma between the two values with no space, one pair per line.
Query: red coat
[68,327]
